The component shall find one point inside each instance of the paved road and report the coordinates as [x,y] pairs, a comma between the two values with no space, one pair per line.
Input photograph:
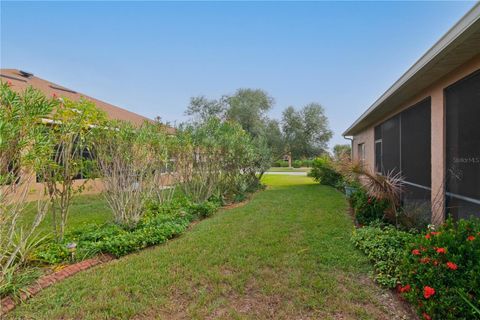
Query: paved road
[288,173]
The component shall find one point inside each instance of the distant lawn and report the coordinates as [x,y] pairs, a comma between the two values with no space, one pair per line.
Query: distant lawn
[284,255]
[283,169]
[84,210]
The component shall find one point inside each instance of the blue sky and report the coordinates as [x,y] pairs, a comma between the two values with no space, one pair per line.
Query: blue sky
[151,57]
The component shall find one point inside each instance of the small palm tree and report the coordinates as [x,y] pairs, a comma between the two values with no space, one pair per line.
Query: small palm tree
[387,186]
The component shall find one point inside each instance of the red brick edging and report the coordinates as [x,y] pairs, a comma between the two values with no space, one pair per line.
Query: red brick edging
[7,304]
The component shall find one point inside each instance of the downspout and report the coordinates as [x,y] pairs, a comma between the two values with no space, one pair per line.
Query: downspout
[351,146]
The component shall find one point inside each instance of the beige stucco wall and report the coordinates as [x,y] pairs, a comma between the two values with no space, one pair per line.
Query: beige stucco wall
[36,190]
[367,137]
[435,92]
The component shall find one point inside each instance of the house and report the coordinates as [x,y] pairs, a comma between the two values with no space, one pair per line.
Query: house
[20,80]
[427,126]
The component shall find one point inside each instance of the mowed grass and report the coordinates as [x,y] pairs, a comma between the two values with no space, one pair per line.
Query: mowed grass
[285,169]
[284,255]
[84,210]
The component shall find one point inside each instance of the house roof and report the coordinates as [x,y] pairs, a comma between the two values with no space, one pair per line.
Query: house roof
[21,80]
[459,45]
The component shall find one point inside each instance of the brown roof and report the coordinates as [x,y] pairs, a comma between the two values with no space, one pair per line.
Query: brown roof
[21,80]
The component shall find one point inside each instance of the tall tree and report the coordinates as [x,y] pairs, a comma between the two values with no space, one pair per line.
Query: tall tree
[341,150]
[292,127]
[274,138]
[249,107]
[306,131]
[203,109]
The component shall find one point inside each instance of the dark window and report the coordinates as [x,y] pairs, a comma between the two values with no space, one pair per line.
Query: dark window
[402,144]
[87,170]
[361,153]
[378,156]
[391,145]
[462,101]
[416,140]
[10,173]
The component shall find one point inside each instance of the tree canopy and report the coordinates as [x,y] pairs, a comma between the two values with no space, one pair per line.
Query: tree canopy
[304,133]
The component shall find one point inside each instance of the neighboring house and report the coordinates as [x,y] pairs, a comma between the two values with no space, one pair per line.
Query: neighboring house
[20,80]
[427,126]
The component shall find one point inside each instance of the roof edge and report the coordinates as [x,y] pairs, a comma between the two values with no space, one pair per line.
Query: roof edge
[472,16]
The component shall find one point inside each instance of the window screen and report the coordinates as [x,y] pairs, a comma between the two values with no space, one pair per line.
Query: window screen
[391,145]
[361,153]
[416,141]
[462,101]
[378,156]
[403,144]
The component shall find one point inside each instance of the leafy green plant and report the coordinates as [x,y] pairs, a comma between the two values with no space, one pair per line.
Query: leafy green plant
[307,163]
[439,265]
[16,281]
[280,163]
[128,159]
[297,163]
[69,137]
[162,221]
[467,300]
[367,209]
[385,247]
[23,150]
[202,210]
[324,172]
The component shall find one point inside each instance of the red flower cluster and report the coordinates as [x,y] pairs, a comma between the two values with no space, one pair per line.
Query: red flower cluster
[470,238]
[426,316]
[425,260]
[427,236]
[441,250]
[9,83]
[428,292]
[405,288]
[435,233]
[416,252]
[452,266]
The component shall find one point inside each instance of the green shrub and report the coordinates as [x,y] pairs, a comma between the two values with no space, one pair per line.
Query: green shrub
[203,210]
[441,271]
[160,223]
[297,164]
[280,163]
[367,208]
[307,163]
[52,253]
[385,247]
[324,172]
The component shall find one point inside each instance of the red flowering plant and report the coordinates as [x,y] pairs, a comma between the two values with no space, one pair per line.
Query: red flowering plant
[441,268]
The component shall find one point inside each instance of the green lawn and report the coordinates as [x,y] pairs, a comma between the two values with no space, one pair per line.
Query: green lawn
[283,169]
[284,255]
[85,209]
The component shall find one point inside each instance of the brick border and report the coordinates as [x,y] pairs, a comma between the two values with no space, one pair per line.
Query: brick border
[8,304]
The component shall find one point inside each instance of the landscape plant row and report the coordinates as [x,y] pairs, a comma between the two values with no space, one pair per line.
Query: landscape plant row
[295,163]
[62,144]
[160,223]
[435,268]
